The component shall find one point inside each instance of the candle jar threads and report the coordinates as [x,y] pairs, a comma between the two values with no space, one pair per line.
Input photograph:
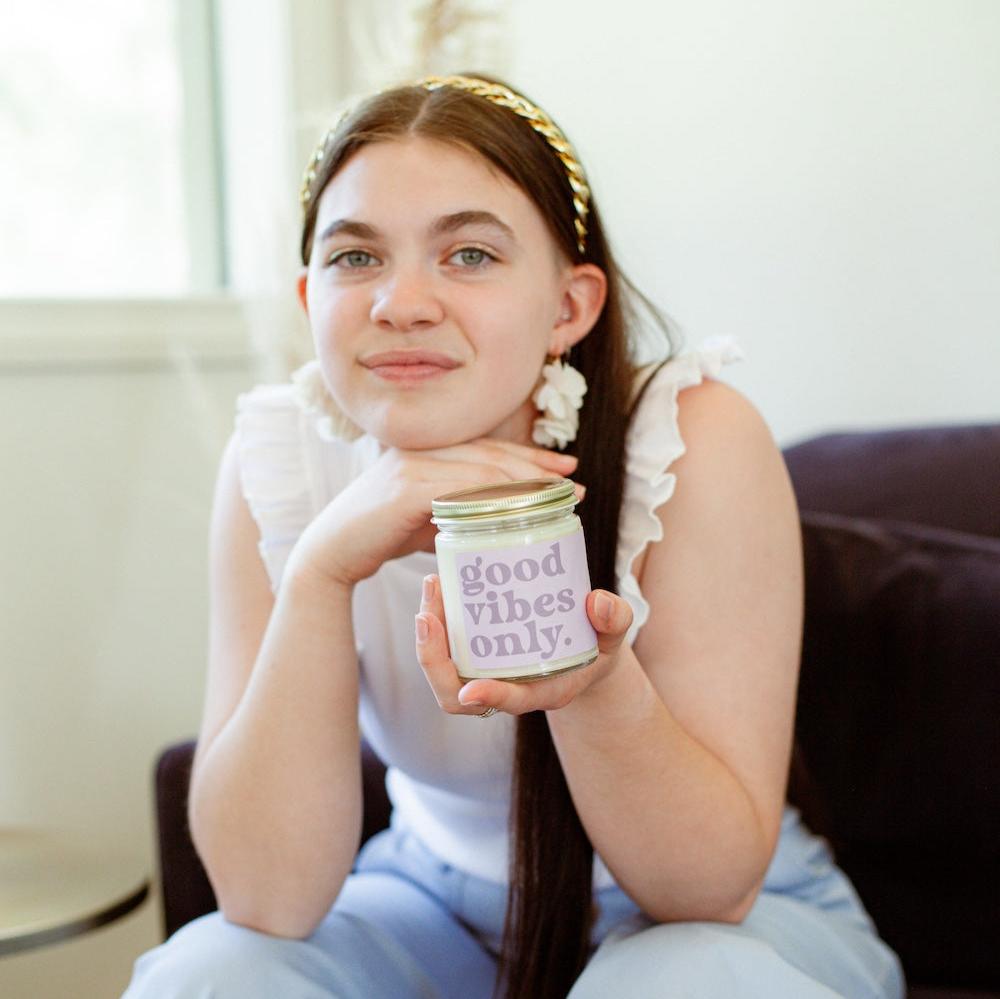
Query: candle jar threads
[514,579]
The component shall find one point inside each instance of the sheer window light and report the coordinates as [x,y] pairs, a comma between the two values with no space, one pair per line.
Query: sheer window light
[108,178]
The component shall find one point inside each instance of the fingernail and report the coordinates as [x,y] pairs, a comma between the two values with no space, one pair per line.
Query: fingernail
[570,458]
[422,629]
[428,590]
[469,704]
[603,607]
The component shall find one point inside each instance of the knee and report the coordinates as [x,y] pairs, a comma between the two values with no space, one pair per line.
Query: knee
[211,958]
[696,959]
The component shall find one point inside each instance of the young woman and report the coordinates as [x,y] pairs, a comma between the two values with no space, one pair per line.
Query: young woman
[620,829]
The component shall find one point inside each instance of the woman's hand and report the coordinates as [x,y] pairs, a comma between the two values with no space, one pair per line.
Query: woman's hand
[609,614]
[385,512]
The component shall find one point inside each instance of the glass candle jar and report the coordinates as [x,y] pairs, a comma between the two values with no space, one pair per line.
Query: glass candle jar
[514,580]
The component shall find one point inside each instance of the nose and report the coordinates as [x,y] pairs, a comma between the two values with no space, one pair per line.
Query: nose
[406,300]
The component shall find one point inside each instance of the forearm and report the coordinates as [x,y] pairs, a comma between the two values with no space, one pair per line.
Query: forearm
[275,804]
[671,821]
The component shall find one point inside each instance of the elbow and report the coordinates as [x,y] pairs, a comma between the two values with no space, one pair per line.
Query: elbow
[705,911]
[286,907]
[728,899]
[283,902]
[735,912]
[735,915]
[288,924]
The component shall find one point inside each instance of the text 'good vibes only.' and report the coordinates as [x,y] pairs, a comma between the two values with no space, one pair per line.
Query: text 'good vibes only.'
[525,603]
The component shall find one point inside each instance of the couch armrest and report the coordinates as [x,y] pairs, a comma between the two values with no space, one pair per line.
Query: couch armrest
[186,891]
[941,476]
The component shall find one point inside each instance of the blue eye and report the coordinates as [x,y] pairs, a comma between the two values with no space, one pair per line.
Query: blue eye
[352,259]
[472,257]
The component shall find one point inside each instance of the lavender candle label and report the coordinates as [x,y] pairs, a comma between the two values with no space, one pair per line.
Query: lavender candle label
[525,605]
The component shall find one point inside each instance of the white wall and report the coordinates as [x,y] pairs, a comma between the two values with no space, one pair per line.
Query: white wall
[820,179]
[109,447]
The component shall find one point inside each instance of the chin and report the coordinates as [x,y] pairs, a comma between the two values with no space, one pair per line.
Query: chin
[420,425]
[416,438]
[421,434]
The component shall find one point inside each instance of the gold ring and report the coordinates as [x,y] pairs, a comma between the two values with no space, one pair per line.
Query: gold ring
[487,713]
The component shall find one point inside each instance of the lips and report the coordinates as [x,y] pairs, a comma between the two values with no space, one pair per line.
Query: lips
[409,365]
[405,358]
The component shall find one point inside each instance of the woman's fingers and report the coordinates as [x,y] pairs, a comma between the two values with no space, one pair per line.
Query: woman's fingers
[517,461]
[520,698]
[426,482]
[561,463]
[433,653]
[611,617]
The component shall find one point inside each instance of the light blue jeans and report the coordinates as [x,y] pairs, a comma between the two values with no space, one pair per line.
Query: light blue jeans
[408,925]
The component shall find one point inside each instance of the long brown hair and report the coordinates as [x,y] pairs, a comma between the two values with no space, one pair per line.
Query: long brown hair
[550,913]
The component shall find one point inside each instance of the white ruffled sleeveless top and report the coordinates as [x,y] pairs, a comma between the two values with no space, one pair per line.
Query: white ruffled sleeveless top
[449,776]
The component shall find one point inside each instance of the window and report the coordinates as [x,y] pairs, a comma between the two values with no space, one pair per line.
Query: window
[109,179]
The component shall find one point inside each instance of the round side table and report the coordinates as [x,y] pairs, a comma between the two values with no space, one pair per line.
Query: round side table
[56,884]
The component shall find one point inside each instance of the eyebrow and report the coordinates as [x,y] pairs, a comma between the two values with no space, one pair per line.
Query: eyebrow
[349,227]
[444,224]
[459,220]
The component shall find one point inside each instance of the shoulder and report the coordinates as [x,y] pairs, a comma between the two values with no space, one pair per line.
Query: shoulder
[718,423]
[730,476]
[721,455]
[686,414]
[732,487]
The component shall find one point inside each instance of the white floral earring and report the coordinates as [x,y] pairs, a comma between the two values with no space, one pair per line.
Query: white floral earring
[314,397]
[559,397]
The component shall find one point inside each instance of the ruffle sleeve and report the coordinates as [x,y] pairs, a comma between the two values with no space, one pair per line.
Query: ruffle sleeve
[653,444]
[278,479]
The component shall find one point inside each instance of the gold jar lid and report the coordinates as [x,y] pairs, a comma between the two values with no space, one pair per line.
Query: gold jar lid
[522,496]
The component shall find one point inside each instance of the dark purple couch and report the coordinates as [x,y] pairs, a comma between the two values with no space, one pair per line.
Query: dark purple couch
[898,725]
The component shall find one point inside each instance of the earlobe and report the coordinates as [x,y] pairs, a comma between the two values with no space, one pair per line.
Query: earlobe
[301,288]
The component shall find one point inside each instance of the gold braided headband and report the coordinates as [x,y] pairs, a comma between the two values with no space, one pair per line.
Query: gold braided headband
[505,98]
